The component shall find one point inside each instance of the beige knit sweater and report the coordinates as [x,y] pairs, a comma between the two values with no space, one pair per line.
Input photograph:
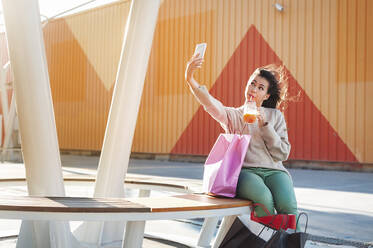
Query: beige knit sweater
[269,145]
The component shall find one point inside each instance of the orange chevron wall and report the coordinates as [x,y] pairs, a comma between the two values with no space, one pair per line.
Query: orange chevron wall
[325,54]
[320,142]
[326,47]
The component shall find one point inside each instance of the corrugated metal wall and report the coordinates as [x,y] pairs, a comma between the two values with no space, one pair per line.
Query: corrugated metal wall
[321,43]
[326,46]
[83,53]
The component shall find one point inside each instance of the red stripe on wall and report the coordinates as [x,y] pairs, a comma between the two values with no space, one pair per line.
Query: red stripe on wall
[311,135]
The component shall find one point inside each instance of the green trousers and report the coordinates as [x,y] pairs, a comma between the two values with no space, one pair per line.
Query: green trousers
[272,188]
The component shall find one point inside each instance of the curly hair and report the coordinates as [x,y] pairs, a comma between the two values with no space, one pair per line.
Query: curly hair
[278,85]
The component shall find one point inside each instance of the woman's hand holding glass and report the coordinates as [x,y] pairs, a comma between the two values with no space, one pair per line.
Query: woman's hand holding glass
[250,112]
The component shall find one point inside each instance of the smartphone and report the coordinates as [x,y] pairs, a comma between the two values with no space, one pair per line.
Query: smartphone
[200,48]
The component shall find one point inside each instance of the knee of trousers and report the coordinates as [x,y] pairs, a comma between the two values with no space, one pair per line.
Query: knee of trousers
[266,200]
[268,203]
[286,207]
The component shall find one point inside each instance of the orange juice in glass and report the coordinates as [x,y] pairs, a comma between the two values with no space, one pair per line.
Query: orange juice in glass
[250,112]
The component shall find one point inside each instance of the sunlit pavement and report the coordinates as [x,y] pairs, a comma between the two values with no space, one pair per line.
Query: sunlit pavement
[339,204]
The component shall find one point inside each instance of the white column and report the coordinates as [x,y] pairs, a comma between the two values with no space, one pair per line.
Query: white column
[35,112]
[223,230]
[137,43]
[207,231]
[112,169]
[134,234]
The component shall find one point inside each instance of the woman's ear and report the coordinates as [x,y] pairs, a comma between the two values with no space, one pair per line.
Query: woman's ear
[267,96]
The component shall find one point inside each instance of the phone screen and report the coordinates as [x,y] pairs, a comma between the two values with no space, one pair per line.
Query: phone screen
[200,48]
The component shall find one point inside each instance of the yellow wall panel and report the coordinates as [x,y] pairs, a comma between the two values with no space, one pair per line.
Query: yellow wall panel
[332,57]
[83,53]
[360,78]
[91,31]
[351,97]
[324,68]
[369,83]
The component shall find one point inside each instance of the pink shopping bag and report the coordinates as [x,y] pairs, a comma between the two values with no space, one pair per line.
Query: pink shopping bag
[224,163]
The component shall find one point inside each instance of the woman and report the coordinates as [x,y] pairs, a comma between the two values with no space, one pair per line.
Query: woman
[263,178]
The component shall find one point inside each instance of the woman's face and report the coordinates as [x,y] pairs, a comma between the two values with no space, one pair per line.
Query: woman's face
[257,90]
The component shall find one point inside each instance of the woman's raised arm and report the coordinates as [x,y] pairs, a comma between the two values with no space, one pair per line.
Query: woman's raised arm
[214,107]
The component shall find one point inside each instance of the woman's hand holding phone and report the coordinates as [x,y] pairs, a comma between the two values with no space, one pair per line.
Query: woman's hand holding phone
[194,63]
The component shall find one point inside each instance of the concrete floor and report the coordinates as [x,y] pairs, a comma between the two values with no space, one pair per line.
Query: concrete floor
[339,204]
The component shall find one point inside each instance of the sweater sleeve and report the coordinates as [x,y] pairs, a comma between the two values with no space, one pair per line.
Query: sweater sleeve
[211,105]
[276,138]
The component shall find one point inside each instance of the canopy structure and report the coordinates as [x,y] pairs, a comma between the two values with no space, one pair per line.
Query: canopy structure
[36,114]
